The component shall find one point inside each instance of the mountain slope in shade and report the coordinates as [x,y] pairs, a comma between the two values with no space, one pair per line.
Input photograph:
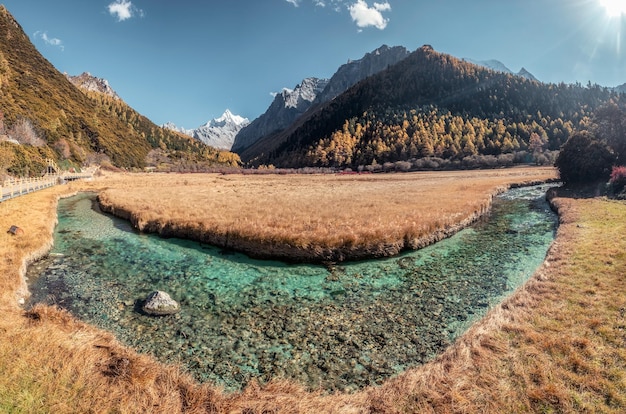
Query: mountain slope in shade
[355,71]
[290,105]
[286,107]
[93,84]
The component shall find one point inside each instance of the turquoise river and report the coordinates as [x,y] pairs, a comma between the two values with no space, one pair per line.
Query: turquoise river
[338,327]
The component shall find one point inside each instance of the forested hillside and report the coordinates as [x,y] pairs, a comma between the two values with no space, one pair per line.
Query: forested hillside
[46,116]
[434,105]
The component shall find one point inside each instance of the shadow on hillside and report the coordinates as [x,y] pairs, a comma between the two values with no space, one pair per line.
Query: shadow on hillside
[581,191]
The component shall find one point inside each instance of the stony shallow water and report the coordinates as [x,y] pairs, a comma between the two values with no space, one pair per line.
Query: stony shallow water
[340,328]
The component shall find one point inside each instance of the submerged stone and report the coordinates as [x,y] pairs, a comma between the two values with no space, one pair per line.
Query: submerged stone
[160,304]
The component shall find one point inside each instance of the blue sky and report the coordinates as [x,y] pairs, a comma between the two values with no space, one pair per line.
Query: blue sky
[187,61]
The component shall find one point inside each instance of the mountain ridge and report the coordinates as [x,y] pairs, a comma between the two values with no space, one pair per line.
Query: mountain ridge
[501,67]
[366,123]
[91,83]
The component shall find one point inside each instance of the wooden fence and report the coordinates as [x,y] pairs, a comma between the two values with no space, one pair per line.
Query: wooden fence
[12,188]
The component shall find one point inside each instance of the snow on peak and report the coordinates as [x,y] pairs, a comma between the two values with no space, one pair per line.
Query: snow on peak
[219,132]
[228,117]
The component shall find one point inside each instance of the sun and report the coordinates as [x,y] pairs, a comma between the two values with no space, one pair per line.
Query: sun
[614,8]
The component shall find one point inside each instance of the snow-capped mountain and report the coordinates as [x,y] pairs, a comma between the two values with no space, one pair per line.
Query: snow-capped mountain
[286,107]
[501,67]
[218,133]
[91,83]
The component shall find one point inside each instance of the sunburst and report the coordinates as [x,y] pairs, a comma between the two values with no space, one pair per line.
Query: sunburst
[614,8]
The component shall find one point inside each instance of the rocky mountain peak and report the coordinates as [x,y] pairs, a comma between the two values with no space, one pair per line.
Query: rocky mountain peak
[91,83]
[287,106]
[526,74]
[304,93]
[356,70]
[498,66]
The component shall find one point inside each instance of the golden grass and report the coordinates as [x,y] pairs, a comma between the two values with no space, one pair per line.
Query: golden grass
[320,217]
[556,345]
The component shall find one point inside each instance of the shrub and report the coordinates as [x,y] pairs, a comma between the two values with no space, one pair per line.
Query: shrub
[506,159]
[403,166]
[584,159]
[618,178]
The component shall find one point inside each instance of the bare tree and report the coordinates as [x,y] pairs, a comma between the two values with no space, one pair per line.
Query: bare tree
[23,132]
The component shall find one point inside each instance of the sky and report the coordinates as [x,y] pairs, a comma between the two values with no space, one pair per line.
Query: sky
[187,61]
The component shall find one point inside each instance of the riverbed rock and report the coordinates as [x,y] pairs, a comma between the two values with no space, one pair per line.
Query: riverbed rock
[16,231]
[160,303]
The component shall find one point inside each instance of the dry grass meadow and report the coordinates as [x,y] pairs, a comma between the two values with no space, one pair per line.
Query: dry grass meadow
[558,344]
[312,218]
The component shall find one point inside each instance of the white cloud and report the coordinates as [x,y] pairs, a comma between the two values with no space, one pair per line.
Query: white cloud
[52,41]
[361,12]
[123,10]
[365,16]
[284,91]
[335,5]
[381,7]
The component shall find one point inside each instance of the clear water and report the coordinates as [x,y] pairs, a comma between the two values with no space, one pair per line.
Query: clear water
[339,328]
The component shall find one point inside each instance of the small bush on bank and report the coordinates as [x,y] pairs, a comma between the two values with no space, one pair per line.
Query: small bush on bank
[618,179]
[584,159]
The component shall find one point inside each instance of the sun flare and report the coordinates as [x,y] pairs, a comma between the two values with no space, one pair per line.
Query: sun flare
[614,8]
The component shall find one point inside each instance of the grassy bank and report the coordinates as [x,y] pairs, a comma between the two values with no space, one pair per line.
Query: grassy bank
[557,345]
[313,218]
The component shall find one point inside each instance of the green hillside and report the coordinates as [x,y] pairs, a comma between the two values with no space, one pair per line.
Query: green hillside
[69,125]
[433,105]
